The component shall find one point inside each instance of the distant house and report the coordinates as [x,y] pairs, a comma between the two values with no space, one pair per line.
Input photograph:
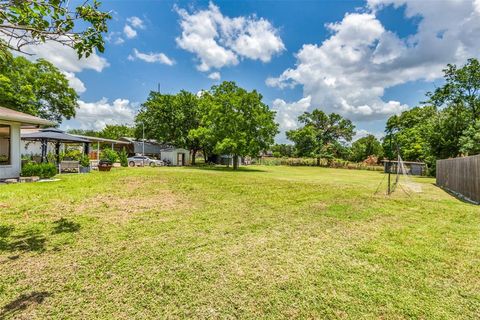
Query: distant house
[10,154]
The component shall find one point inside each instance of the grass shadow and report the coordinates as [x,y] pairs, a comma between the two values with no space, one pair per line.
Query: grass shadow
[23,302]
[26,241]
[225,168]
[65,226]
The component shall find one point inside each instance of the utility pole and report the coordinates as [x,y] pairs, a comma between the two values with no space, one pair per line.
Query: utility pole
[158,88]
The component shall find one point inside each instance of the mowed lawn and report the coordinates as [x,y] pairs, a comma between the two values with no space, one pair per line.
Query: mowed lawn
[264,242]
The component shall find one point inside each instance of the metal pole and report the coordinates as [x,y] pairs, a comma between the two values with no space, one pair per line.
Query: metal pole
[143,144]
[389,163]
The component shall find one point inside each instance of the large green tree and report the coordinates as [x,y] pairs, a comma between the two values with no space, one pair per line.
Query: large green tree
[235,121]
[321,134]
[30,22]
[461,89]
[37,88]
[364,147]
[169,119]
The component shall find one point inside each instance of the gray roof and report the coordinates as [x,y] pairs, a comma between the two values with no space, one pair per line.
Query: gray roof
[53,134]
[97,139]
[23,118]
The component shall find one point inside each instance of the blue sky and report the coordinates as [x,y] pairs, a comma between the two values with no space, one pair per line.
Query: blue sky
[364,60]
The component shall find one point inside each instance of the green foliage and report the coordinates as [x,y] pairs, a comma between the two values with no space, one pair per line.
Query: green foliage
[169,119]
[225,120]
[43,170]
[84,160]
[321,134]
[71,154]
[109,155]
[36,21]
[283,150]
[37,88]
[461,88]
[116,132]
[123,158]
[235,121]
[365,147]
[448,128]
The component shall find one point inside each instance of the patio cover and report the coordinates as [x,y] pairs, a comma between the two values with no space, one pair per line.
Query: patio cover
[56,135]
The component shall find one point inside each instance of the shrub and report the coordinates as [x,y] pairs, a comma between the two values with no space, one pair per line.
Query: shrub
[72,154]
[84,160]
[109,155]
[123,158]
[42,170]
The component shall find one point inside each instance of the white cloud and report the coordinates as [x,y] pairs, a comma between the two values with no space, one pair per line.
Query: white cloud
[288,112]
[349,71]
[363,133]
[74,82]
[136,22]
[220,41]
[151,57]
[96,115]
[65,58]
[115,38]
[214,76]
[129,32]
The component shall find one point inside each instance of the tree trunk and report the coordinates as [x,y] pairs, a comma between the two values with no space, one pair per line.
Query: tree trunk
[235,162]
[205,157]
[194,152]
[318,161]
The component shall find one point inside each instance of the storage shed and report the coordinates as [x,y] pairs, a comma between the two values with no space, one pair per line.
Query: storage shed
[175,156]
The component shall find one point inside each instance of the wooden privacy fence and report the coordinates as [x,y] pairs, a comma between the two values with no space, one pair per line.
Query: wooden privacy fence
[461,176]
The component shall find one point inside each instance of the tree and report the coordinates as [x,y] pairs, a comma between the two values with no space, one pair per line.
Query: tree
[235,122]
[37,88]
[116,132]
[31,22]
[411,133]
[169,119]
[461,89]
[365,147]
[320,134]
[283,150]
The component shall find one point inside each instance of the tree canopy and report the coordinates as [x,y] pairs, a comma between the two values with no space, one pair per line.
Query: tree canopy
[37,88]
[321,134]
[448,123]
[235,122]
[364,147]
[24,23]
[169,119]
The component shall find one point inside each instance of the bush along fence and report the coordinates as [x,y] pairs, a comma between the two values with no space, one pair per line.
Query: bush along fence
[460,176]
[336,163]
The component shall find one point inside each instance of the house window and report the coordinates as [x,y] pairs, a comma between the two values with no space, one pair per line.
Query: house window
[5,138]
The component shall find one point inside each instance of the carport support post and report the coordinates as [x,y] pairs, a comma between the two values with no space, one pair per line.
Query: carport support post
[98,150]
[57,152]
[44,150]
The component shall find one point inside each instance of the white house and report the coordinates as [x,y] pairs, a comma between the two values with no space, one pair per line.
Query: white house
[176,156]
[10,155]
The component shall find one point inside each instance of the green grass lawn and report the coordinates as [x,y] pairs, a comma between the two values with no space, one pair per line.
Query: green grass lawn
[267,242]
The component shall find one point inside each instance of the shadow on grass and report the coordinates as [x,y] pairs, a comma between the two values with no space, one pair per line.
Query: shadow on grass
[23,302]
[65,226]
[225,169]
[456,195]
[26,241]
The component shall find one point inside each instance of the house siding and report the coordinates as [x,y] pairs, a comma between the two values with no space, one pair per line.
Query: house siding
[13,169]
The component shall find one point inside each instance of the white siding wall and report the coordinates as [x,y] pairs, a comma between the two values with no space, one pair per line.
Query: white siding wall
[12,170]
[172,156]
